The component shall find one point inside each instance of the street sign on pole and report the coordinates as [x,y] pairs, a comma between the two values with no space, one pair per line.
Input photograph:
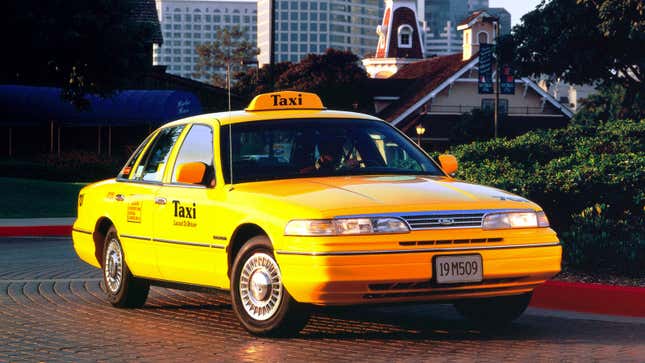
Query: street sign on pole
[485,84]
[507,81]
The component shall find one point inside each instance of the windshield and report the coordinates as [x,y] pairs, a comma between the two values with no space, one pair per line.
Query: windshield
[284,149]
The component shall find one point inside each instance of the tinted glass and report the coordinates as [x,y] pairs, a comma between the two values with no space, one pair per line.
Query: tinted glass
[197,147]
[281,149]
[152,165]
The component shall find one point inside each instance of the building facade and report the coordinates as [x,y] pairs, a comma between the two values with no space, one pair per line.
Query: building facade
[442,17]
[185,24]
[304,27]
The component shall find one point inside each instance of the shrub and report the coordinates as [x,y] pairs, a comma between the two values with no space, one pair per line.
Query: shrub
[570,170]
[597,242]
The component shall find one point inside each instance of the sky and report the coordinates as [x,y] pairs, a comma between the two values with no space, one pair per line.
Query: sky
[517,8]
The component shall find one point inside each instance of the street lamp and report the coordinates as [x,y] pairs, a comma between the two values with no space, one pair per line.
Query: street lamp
[420,131]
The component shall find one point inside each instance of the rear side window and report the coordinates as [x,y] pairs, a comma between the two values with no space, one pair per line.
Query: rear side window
[127,169]
[153,163]
[197,147]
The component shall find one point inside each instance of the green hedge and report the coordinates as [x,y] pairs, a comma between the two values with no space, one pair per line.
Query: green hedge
[571,172]
[71,166]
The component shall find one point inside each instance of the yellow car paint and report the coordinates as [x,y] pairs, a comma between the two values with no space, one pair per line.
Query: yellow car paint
[186,233]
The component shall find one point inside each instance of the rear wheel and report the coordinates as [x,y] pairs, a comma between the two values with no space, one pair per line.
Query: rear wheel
[122,289]
[260,301]
[494,312]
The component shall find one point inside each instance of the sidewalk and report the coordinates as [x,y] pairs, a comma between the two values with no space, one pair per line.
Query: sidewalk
[554,294]
[12,227]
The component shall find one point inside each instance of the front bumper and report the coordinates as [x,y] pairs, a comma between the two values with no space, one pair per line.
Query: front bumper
[382,276]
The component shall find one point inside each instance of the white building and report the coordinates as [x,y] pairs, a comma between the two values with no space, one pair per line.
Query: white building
[304,27]
[186,24]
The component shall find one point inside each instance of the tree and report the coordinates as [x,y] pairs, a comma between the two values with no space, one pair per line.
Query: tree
[585,41]
[78,45]
[254,81]
[229,51]
[335,76]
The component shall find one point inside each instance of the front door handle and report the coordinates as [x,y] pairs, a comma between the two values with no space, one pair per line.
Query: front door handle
[119,197]
[160,200]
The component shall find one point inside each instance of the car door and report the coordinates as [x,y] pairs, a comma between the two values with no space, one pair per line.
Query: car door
[185,213]
[137,205]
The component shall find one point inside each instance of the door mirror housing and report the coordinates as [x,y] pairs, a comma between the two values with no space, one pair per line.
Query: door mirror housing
[191,173]
[448,163]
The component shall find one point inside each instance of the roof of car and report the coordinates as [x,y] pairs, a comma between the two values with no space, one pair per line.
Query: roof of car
[234,117]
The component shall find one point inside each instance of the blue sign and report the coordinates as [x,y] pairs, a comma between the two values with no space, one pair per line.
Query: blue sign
[485,84]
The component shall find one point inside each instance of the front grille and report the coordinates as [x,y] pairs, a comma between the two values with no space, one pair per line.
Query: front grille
[450,242]
[444,220]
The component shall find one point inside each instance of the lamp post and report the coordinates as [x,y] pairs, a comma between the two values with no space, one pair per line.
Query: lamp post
[420,131]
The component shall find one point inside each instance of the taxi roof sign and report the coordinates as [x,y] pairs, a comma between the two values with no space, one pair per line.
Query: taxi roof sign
[285,100]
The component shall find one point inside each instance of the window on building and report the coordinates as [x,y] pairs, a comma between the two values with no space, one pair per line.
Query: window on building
[209,18]
[217,18]
[482,37]
[405,36]
[488,105]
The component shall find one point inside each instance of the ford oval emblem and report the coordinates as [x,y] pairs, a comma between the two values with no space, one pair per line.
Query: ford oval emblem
[446,221]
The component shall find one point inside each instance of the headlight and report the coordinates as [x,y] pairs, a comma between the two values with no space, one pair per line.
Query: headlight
[345,226]
[508,220]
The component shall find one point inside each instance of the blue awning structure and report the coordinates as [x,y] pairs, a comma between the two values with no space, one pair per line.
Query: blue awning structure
[27,105]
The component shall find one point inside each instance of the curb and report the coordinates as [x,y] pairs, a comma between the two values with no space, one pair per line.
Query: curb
[40,231]
[38,227]
[590,298]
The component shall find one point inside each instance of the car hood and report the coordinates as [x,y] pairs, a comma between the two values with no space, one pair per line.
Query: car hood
[334,196]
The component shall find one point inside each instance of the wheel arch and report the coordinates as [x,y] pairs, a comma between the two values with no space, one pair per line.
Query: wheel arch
[101,228]
[242,233]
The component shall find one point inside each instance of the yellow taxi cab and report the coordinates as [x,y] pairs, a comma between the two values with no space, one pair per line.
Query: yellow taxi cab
[288,204]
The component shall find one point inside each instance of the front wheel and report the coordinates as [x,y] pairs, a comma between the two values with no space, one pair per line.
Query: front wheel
[123,290]
[260,301]
[494,312]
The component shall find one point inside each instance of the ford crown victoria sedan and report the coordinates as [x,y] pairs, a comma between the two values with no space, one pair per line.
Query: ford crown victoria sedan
[288,205]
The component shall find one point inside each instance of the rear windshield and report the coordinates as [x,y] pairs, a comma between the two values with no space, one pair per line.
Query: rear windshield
[284,149]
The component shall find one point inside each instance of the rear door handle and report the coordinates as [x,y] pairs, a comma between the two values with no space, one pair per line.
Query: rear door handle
[119,197]
[160,200]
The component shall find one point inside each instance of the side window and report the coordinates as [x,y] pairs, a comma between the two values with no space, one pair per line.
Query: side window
[152,165]
[127,169]
[197,147]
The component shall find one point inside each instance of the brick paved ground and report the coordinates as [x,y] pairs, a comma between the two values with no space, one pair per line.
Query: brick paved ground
[52,309]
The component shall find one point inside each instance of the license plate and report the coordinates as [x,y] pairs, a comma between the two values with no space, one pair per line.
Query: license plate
[458,269]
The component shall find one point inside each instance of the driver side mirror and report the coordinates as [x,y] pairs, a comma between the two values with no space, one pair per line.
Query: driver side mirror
[448,163]
[191,173]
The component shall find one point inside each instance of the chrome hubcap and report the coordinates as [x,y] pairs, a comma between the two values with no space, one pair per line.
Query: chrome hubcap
[260,286]
[113,266]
